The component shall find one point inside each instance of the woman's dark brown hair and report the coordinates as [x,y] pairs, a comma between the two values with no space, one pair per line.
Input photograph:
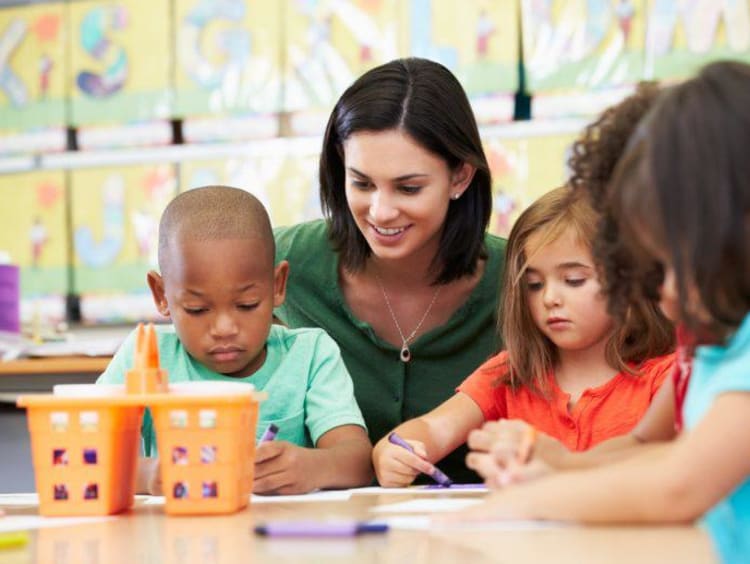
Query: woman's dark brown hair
[425,100]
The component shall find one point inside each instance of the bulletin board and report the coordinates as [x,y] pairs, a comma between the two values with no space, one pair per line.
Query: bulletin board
[228,57]
[682,36]
[328,44]
[33,233]
[583,44]
[522,170]
[32,68]
[267,177]
[476,39]
[298,183]
[115,218]
[121,61]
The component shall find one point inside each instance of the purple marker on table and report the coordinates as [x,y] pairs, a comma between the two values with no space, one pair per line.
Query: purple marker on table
[270,433]
[318,529]
[436,474]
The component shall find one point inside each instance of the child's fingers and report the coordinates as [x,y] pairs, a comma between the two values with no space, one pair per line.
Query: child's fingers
[483,464]
[271,483]
[480,440]
[268,450]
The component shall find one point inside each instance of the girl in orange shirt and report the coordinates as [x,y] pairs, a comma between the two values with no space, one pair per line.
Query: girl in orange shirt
[570,369]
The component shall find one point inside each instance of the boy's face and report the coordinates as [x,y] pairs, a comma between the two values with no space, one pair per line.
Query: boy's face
[220,295]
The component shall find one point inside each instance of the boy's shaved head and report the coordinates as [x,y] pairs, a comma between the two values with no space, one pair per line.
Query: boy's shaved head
[213,212]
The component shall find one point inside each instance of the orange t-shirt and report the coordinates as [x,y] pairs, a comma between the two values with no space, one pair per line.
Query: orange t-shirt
[601,413]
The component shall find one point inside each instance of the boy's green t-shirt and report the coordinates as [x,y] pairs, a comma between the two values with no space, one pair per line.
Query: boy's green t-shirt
[309,389]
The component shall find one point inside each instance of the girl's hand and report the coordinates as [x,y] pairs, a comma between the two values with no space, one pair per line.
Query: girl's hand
[496,448]
[284,468]
[396,467]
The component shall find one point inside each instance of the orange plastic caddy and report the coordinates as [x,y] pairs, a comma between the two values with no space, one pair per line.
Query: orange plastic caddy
[85,441]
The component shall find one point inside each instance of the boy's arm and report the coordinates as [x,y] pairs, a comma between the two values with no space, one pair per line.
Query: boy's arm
[670,483]
[432,436]
[341,458]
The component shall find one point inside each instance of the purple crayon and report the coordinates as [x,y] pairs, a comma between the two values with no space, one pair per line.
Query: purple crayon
[318,529]
[270,433]
[436,474]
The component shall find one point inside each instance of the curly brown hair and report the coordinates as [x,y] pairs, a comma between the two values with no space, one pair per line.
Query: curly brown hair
[594,158]
[681,193]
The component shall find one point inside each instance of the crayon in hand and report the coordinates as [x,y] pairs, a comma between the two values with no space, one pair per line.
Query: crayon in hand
[436,474]
[270,433]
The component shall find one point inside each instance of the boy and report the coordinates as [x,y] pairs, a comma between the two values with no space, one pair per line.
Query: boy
[219,286]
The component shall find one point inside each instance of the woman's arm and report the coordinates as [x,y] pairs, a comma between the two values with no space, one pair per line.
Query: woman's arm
[433,436]
[673,482]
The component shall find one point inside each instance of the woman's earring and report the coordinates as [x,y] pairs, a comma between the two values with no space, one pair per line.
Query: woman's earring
[456,196]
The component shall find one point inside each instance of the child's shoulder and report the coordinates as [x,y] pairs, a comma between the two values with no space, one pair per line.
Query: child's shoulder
[496,366]
[289,339]
[658,365]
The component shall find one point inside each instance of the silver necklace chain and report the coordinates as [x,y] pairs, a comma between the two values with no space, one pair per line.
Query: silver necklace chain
[405,354]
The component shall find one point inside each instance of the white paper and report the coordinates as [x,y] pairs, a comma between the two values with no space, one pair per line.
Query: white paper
[327,495]
[11,523]
[419,490]
[436,505]
[424,523]
[19,499]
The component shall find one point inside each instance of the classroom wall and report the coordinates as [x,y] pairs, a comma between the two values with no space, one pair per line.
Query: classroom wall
[109,108]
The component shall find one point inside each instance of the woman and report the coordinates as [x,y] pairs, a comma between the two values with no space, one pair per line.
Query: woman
[401,273]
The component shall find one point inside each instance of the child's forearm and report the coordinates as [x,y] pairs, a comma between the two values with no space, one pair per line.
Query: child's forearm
[345,464]
[445,428]
[608,494]
[612,450]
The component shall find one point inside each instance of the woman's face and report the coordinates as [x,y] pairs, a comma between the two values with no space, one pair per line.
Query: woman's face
[399,193]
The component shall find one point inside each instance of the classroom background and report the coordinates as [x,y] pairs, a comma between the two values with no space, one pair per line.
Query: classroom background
[109,108]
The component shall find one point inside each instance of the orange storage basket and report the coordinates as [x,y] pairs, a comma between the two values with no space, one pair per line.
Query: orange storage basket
[85,441]
[85,452]
[206,449]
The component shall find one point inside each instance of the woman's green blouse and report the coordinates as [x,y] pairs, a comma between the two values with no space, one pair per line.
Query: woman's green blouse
[388,390]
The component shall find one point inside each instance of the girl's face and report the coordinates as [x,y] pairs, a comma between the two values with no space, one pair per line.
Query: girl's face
[398,192]
[564,293]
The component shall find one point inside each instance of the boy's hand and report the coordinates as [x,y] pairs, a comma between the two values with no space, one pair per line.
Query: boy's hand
[495,450]
[284,468]
[396,467]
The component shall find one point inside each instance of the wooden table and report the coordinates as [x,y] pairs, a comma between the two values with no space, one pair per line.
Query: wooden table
[145,534]
[37,375]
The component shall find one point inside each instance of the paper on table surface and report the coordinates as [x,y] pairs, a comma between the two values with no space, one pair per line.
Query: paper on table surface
[424,523]
[454,489]
[16,499]
[10,523]
[327,495]
[436,505]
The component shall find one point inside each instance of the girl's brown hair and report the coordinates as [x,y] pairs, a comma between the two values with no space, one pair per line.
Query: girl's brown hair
[642,333]
[683,186]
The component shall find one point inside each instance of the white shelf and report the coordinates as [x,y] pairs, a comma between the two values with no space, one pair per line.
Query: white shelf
[278,146]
